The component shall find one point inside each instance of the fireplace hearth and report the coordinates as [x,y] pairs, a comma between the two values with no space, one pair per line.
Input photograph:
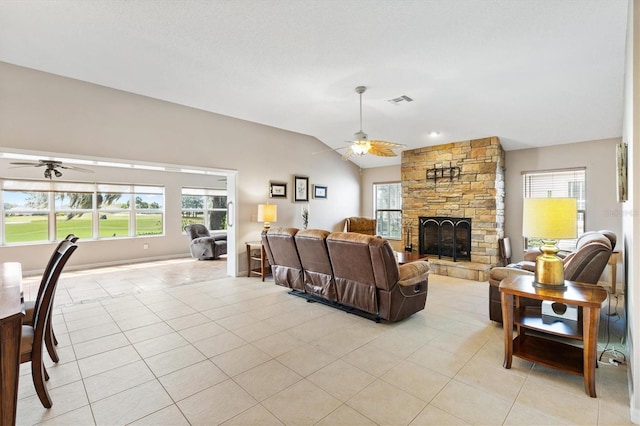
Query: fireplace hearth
[448,237]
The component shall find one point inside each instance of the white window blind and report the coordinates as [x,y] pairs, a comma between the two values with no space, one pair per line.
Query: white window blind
[561,183]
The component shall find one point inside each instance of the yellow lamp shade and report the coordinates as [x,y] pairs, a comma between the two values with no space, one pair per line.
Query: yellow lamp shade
[550,218]
[267,213]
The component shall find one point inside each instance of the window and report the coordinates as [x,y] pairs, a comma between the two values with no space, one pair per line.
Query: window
[205,206]
[558,183]
[388,209]
[38,211]
[74,213]
[26,216]
[149,204]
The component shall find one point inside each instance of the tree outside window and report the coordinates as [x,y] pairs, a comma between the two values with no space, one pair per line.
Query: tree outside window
[207,207]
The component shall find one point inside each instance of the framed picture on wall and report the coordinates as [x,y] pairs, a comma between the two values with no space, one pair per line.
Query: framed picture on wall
[277,190]
[300,188]
[319,191]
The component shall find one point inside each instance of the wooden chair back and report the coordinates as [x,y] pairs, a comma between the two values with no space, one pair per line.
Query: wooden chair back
[33,336]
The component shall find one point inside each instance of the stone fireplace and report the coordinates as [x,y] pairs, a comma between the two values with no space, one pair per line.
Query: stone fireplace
[463,180]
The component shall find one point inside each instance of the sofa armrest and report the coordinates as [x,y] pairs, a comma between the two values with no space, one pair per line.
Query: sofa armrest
[525,265]
[499,273]
[531,254]
[413,272]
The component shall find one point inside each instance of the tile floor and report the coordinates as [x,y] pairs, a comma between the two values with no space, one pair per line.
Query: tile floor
[164,344]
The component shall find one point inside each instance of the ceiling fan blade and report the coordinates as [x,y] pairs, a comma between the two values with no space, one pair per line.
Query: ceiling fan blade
[27,163]
[382,151]
[330,149]
[77,169]
[347,154]
[388,144]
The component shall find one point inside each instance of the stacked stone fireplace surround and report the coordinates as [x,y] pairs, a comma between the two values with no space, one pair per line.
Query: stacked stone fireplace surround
[476,191]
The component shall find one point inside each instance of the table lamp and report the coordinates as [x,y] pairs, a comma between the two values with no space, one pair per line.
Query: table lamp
[549,219]
[267,213]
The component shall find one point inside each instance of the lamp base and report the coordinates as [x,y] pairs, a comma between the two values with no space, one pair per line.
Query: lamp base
[549,272]
[549,286]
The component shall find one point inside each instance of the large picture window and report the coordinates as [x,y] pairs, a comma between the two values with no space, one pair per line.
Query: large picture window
[205,206]
[562,183]
[35,211]
[388,209]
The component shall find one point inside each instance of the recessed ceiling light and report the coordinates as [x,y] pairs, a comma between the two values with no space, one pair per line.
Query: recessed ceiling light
[434,134]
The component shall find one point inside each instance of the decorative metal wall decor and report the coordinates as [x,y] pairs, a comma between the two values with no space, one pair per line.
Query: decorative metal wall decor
[443,172]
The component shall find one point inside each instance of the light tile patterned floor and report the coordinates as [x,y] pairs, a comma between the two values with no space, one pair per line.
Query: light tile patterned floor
[165,344]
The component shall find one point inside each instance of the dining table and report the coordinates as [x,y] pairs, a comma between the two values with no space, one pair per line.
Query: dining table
[11,315]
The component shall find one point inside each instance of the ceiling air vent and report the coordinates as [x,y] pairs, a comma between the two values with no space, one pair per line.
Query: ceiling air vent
[403,98]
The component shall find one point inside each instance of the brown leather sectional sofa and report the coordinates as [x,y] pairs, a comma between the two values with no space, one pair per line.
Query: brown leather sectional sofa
[355,272]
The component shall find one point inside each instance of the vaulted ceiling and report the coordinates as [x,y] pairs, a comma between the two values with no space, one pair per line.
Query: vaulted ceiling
[533,73]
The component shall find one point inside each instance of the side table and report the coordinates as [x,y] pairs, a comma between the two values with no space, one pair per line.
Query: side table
[407,256]
[256,253]
[543,350]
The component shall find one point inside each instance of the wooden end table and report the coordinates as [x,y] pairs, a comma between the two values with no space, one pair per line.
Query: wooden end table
[256,253]
[545,351]
[408,256]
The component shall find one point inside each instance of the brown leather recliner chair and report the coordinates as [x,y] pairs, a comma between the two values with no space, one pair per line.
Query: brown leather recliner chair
[585,265]
[361,225]
[368,276]
[314,257]
[280,247]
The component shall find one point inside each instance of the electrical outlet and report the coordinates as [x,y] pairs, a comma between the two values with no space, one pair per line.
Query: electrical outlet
[145,246]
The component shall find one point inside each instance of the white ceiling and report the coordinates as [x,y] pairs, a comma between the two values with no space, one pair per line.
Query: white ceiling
[532,72]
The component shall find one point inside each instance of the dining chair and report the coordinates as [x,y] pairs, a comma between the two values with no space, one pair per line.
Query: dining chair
[33,336]
[50,338]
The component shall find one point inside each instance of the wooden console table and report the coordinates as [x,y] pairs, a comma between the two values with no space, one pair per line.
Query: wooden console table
[11,315]
[545,351]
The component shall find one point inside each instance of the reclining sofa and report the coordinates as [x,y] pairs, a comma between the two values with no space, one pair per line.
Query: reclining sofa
[354,272]
[585,265]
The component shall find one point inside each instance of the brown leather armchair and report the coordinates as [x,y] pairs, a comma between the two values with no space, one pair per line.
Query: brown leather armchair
[361,225]
[585,264]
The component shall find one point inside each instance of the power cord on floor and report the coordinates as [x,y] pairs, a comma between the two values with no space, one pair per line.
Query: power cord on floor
[616,357]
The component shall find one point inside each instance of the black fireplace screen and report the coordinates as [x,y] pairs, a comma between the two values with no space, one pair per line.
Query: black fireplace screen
[446,237]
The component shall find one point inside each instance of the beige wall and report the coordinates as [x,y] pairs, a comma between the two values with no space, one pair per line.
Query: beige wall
[42,112]
[630,212]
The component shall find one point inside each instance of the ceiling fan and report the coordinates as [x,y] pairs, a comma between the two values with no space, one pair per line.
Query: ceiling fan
[51,167]
[361,144]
